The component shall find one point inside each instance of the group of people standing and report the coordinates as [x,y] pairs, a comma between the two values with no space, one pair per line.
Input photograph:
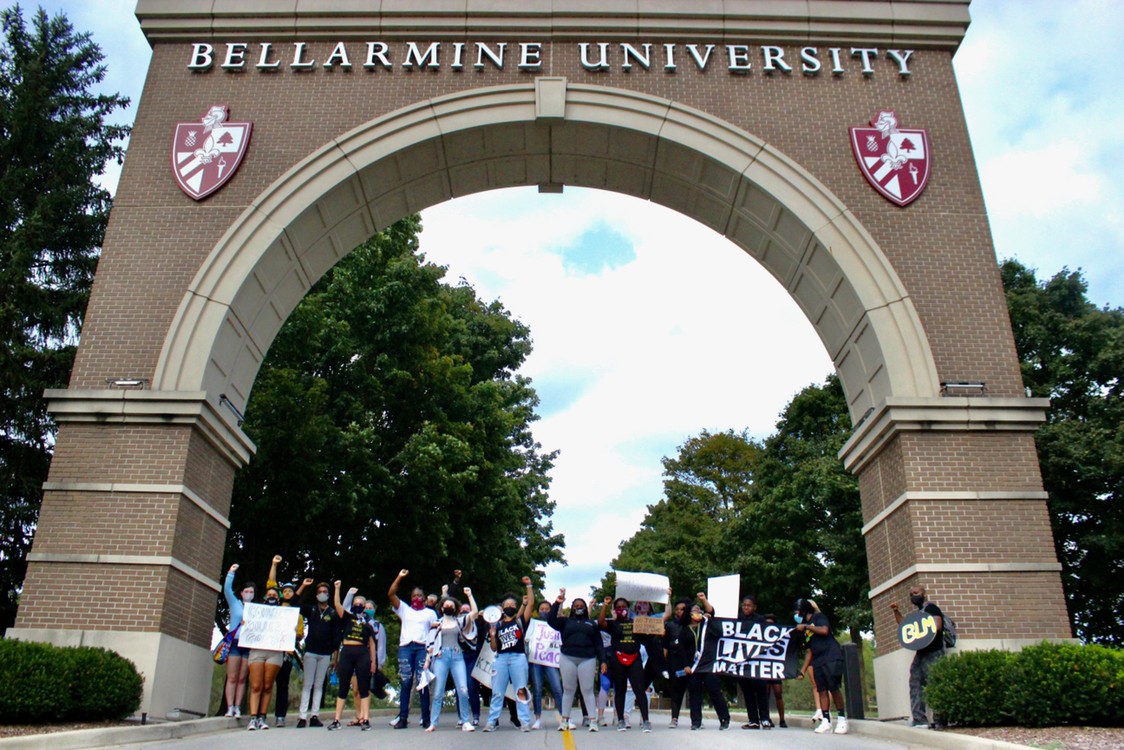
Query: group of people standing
[442,636]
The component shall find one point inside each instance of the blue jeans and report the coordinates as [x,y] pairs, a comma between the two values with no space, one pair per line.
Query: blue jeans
[411,657]
[554,677]
[510,669]
[473,685]
[451,660]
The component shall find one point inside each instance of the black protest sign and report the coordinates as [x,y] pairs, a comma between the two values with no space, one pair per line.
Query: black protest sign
[749,649]
[917,630]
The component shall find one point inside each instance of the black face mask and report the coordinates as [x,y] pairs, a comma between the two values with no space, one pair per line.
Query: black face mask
[357,609]
[449,611]
[510,611]
[917,599]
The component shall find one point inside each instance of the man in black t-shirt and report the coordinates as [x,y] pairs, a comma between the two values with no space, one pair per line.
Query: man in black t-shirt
[924,659]
[825,657]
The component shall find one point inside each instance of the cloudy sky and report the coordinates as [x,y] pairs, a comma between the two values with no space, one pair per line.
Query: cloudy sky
[649,328]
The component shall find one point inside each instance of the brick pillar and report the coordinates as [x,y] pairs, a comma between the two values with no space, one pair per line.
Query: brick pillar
[952,500]
[131,534]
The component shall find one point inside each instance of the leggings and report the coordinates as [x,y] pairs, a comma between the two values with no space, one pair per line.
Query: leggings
[312,690]
[622,677]
[577,673]
[678,689]
[354,660]
[281,688]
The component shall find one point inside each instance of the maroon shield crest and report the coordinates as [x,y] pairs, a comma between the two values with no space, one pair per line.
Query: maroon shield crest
[894,160]
[206,153]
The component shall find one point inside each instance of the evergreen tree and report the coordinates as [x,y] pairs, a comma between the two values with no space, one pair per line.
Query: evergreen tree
[54,140]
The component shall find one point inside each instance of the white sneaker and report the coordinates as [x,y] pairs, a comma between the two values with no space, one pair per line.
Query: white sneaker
[824,727]
[841,725]
[467,728]
[593,727]
[252,726]
[537,724]
[817,715]
[229,711]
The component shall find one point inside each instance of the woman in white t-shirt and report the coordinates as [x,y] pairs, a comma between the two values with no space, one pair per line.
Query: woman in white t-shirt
[417,620]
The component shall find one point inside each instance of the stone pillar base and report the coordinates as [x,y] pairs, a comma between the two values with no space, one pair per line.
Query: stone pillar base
[176,674]
[891,671]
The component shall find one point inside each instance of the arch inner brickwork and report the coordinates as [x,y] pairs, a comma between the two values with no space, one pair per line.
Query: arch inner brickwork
[189,295]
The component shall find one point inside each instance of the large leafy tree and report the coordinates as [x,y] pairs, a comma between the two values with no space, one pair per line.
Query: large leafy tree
[393,432]
[54,142]
[782,513]
[1072,352]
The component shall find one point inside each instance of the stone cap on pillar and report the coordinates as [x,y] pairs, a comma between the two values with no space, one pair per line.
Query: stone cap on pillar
[958,413]
[130,406]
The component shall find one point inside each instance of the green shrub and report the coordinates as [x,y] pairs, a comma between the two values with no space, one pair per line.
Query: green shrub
[45,683]
[971,688]
[1067,683]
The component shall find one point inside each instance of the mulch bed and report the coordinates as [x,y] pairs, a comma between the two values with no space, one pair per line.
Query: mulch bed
[1055,738]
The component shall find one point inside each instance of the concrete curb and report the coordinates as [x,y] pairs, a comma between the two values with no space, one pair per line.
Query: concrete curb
[81,739]
[897,732]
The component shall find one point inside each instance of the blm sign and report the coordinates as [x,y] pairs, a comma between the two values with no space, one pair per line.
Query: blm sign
[749,649]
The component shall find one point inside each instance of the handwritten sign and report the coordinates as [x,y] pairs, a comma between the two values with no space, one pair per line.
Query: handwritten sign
[485,669]
[647,625]
[269,628]
[917,630]
[642,587]
[544,644]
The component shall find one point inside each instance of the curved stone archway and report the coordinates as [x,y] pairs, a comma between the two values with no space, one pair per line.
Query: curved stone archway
[548,134]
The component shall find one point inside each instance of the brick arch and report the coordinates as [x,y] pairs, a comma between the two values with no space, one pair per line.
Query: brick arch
[550,133]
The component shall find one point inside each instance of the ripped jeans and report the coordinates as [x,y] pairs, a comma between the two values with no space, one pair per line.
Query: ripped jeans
[411,657]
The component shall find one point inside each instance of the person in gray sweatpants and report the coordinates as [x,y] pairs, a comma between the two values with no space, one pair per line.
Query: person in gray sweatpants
[582,650]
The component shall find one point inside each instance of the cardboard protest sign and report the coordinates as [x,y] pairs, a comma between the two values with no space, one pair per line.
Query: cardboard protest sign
[642,587]
[724,592]
[486,667]
[544,644]
[749,649]
[270,628]
[648,625]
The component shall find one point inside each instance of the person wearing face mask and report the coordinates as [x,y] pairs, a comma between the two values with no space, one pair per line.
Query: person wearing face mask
[471,640]
[776,687]
[582,649]
[264,667]
[696,627]
[357,657]
[237,665]
[673,658]
[507,639]
[543,675]
[826,659]
[446,657]
[417,619]
[290,597]
[364,609]
[923,660]
[319,646]
[624,660]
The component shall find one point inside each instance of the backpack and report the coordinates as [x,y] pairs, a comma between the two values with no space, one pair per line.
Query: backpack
[948,630]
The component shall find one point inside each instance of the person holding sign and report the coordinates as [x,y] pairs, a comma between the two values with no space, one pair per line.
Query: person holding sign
[264,666]
[624,661]
[543,675]
[696,628]
[446,656]
[357,657]
[826,659]
[582,649]
[507,641]
[924,658]
[754,689]
[237,666]
[290,596]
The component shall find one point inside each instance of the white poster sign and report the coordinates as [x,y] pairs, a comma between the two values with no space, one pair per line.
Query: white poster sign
[723,593]
[486,667]
[642,587]
[268,627]
[544,644]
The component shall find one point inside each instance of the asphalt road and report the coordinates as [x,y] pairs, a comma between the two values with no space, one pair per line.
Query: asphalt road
[449,737]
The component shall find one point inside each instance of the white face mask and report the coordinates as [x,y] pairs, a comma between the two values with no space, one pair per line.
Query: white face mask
[248,597]
[321,598]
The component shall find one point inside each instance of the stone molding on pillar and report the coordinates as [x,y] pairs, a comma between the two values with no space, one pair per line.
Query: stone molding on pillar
[905,497]
[144,489]
[151,560]
[957,413]
[127,406]
[982,567]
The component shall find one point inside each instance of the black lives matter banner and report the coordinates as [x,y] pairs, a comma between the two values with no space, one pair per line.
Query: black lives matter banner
[750,649]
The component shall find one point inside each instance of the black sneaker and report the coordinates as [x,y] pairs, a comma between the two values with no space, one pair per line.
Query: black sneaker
[751,725]
[783,725]
[399,723]
[365,726]
[695,727]
[334,725]
[302,724]
[315,722]
[723,725]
